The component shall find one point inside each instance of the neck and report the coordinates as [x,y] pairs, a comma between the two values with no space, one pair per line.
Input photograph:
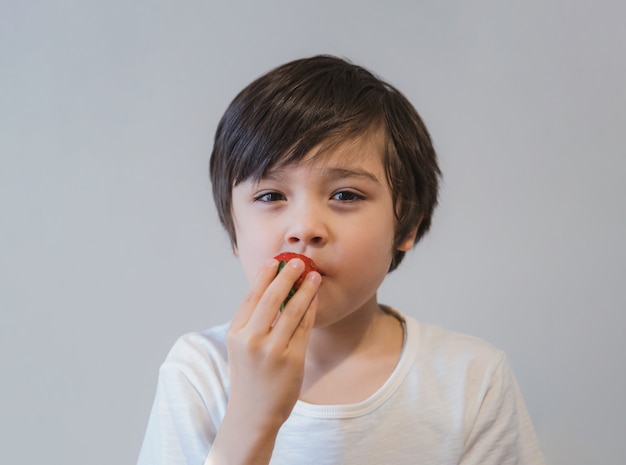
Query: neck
[368,330]
[349,360]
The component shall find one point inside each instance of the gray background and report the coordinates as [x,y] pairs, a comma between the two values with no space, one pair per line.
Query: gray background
[110,248]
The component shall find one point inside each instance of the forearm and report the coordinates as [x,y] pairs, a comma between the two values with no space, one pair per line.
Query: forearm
[239,443]
[266,356]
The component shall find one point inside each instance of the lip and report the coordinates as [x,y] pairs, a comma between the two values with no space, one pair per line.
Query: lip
[319,269]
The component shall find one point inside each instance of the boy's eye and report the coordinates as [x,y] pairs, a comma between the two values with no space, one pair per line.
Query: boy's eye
[269,197]
[346,196]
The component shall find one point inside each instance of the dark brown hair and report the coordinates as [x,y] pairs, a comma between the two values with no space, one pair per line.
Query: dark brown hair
[282,115]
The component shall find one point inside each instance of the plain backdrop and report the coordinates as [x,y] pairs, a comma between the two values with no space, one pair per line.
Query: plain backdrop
[110,247]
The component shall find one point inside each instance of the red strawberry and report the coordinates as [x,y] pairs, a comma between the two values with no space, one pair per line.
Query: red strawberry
[309,265]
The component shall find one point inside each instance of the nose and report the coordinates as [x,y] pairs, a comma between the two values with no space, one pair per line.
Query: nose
[306,227]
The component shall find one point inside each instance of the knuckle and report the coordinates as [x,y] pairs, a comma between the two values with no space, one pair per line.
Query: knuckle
[274,352]
[248,299]
[245,341]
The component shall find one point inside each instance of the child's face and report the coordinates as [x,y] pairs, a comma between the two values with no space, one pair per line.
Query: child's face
[335,208]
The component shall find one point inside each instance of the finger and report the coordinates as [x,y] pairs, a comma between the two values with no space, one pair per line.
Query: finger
[291,317]
[262,280]
[300,337]
[276,293]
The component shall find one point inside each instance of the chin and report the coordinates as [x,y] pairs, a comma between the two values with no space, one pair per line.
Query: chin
[321,322]
[323,318]
[326,317]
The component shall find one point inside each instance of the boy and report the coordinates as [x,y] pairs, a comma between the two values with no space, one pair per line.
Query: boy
[321,158]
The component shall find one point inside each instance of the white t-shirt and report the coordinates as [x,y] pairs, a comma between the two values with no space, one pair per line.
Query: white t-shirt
[452,399]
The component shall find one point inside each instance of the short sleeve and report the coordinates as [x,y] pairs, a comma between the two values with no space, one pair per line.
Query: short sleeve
[502,433]
[189,404]
[176,433]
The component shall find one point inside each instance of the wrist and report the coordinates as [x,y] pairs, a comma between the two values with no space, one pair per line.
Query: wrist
[241,440]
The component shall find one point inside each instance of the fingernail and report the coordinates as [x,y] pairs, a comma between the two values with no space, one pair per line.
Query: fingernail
[296,263]
[313,276]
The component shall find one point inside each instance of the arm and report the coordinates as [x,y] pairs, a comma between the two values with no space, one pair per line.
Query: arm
[267,364]
[233,412]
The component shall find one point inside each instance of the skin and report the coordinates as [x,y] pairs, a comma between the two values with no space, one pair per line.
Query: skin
[333,343]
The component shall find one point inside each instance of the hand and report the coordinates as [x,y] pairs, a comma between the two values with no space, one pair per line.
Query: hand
[266,352]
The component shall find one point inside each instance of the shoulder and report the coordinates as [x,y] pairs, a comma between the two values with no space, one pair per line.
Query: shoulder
[198,355]
[471,374]
[190,399]
[436,342]
[454,362]
[208,343]
[477,384]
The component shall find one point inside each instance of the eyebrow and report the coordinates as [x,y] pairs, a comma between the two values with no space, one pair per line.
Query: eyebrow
[331,173]
[340,173]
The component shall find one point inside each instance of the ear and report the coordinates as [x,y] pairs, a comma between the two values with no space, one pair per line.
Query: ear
[409,241]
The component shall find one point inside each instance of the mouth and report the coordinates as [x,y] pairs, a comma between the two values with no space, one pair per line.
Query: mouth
[320,270]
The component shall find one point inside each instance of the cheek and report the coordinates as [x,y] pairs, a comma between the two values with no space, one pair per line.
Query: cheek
[371,249]
[254,247]
[248,256]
